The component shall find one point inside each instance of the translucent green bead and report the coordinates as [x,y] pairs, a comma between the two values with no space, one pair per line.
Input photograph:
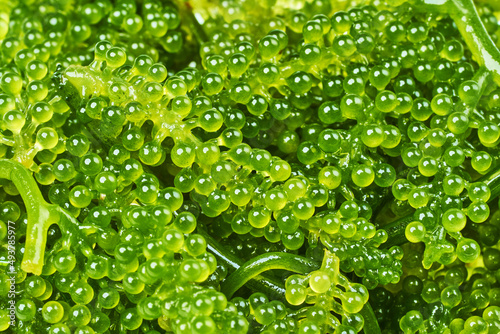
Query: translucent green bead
[453,50]
[269,47]
[310,54]
[430,292]
[216,64]
[329,112]
[362,175]
[468,250]
[211,120]
[372,135]
[241,92]
[395,32]
[130,319]
[25,309]
[478,212]
[385,175]
[418,197]
[454,220]
[259,217]
[341,22]
[405,103]
[11,83]
[453,185]
[77,145]
[386,101]
[131,170]
[183,154]
[415,232]
[115,57]
[175,86]
[299,82]
[212,83]
[481,161]
[379,77]
[151,153]
[329,140]
[287,222]
[458,122]
[276,199]
[260,159]
[423,71]
[64,170]
[479,191]
[488,133]
[344,45]
[81,292]
[46,138]
[319,281]
[294,240]
[280,170]
[45,174]
[354,84]
[351,106]
[392,136]
[303,209]
[312,31]
[454,156]
[241,194]
[35,286]
[268,73]
[308,152]
[14,121]
[428,166]
[411,322]
[237,65]
[80,196]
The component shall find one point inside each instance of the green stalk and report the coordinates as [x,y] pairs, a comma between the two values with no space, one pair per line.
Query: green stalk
[274,289]
[371,323]
[264,262]
[41,215]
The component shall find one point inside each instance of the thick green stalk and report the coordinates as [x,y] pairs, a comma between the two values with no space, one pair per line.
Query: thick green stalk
[40,215]
[271,287]
[262,263]
[371,323]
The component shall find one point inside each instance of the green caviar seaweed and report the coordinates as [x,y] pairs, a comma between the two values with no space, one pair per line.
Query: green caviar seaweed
[257,166]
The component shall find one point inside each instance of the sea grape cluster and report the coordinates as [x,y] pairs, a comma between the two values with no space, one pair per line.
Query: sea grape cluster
[158,159]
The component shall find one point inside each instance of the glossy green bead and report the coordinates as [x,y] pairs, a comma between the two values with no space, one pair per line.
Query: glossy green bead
[151,153]
[25,309]
[372,135]
[362,175]
[351,106]
[241,194]
[478,211]
[454,156]
[64,261]
[344,45]
[299,82]
[212,83]
[80,196]
[481,161]
[468,250]
[130,319]
[280,170]
[269,47]
[418,197]
[454,220]
[268,73]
